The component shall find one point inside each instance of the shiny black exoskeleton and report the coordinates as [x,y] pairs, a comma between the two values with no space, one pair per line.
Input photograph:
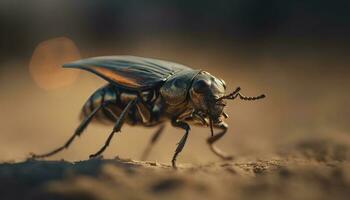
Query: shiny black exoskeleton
[149,92]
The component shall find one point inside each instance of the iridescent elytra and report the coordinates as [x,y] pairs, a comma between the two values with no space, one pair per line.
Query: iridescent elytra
[149,92]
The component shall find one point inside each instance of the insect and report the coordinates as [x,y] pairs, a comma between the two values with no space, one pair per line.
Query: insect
[149,92]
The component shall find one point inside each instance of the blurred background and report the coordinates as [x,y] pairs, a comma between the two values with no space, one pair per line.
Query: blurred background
[296,52]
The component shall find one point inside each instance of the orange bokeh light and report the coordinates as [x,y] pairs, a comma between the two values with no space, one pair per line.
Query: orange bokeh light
[46,63]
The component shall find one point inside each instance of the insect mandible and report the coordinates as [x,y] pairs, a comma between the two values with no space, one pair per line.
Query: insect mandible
[149,92]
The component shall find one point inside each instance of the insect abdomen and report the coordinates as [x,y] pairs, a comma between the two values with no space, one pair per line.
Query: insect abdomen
[115,100]
[100,96]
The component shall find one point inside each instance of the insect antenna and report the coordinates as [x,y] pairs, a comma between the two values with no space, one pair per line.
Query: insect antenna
[251,98]
[236,94]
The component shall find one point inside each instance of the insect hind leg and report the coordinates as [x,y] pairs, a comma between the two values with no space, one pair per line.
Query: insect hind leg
[77,132]
[116,128]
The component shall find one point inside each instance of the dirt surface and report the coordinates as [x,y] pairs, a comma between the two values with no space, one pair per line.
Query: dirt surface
[292,178]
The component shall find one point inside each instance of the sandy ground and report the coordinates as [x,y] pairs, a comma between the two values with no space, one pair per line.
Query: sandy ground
[292,178]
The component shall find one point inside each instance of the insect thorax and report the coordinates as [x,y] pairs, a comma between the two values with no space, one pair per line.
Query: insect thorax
[175,90]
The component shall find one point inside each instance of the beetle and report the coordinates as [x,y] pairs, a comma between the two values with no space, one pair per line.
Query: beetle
[148,92]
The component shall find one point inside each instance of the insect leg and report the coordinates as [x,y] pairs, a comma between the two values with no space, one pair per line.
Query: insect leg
[182,142]
[153,140]
[211,140]
[77,132]
[116,128]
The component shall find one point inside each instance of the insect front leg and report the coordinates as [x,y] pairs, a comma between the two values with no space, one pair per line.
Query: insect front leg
[116,128]
[77,132]
[153,140]
[211,140]
[182,142]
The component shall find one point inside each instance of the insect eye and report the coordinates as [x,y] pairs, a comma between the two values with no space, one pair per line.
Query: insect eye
[200,86]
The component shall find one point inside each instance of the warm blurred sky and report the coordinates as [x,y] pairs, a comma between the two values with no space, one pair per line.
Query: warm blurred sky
[295,51]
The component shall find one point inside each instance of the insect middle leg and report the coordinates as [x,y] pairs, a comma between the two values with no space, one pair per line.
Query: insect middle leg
[153,140]
[77,132]
[211,140]
[116,128]
[182,142]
